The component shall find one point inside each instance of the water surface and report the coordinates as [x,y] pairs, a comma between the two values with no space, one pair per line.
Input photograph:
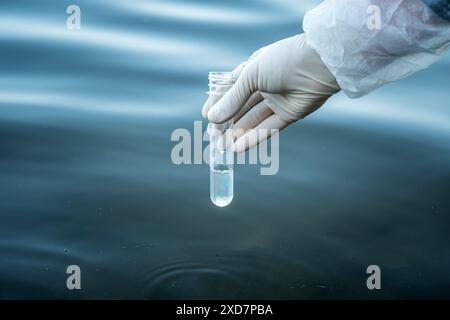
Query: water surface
[86,175]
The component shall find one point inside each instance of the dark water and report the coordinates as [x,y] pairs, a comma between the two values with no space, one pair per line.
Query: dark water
[86,176]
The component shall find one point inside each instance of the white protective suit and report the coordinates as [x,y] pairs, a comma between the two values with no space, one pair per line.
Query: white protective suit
[363,53]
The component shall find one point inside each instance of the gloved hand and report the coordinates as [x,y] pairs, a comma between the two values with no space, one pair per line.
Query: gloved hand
[278,85]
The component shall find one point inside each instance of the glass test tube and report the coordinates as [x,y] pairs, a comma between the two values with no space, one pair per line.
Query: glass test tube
[221,158]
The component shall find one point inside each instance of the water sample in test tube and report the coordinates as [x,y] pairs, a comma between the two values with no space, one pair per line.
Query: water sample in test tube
[221,158]
[220,165]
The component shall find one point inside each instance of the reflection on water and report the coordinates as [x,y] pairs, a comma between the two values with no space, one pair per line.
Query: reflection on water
[86,178]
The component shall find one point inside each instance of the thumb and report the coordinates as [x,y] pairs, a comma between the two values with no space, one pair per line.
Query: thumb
[236,97]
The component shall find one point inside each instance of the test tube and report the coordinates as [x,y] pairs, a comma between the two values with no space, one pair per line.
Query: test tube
[221,158]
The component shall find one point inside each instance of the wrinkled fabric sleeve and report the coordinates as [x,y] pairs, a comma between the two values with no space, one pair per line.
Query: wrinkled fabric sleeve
[364,51]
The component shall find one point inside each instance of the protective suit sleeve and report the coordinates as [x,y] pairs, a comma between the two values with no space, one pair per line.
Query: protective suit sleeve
[367,43]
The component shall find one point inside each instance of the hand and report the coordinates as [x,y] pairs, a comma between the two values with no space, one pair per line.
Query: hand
[278,85]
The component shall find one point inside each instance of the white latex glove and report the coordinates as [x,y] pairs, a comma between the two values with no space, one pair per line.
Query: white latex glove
[279,84]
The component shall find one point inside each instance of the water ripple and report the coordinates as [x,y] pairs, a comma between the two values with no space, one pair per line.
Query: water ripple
[209,274]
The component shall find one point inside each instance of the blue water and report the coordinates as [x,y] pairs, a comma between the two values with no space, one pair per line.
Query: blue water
[86,176]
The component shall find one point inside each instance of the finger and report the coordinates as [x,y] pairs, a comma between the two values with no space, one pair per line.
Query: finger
[251,102]
[250,120]
[209,103]
[264,130]
[236,97]
[235,75]
[255,54]
[214,96]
